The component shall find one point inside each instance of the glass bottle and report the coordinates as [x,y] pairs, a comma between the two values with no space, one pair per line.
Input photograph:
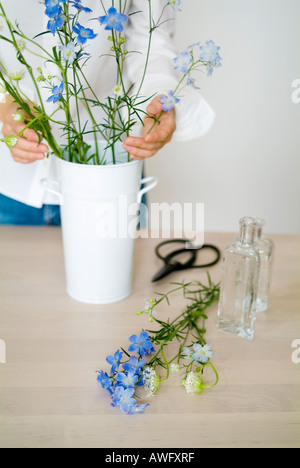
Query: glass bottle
[266,250]
[240,272]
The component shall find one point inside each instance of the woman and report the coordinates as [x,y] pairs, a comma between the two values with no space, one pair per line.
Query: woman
[23,201]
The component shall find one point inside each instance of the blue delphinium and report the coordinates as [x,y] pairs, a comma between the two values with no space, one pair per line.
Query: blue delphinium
[83,34]
[134,364]
[53,7]
[121,384]
[54,13]
[210,53]
[114,361]
[113,20]
[57,93]
[77,4]
[55,22]
[127,379]
[183,62]
[123,397]
[141,344]
[192,82]
[105,381]
[169,101]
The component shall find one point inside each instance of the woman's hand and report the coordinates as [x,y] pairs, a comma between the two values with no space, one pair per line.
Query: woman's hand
[28,148]
[152,140]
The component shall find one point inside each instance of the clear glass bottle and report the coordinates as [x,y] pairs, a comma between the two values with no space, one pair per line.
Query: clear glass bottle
[240,272]
[266,251]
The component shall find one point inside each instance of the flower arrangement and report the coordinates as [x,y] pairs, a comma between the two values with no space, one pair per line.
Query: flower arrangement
[135,373]
[67,22]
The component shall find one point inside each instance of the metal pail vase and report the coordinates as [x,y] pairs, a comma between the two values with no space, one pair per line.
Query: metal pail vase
[99,207]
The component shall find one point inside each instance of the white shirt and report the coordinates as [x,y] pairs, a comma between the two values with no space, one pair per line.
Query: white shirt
[193,114]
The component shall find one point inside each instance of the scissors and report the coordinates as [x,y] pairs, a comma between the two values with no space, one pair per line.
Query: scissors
[171,264]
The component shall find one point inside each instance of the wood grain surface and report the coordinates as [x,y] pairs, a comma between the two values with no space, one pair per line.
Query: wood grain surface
[49,397]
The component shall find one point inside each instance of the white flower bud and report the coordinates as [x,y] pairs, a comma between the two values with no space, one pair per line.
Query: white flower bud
[16,75]
[11,141]
[19,117]
[21,44]
[193,383]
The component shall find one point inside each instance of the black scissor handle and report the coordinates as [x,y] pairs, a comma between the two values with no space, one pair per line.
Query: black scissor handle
[171,241]
[212,263]
[171,266]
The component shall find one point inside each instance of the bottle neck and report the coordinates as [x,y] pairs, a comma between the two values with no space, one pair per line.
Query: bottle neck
[247,231]
[258,233]
[259,224]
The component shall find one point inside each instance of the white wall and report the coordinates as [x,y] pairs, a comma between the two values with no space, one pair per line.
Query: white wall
[249,164]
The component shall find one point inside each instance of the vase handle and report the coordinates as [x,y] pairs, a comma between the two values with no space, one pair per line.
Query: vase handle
[51,186]
[152,181]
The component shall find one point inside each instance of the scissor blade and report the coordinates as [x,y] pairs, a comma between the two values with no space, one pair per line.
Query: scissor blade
[165,271]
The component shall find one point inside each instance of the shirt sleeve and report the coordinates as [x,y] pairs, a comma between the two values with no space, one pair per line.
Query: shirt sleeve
[194,116]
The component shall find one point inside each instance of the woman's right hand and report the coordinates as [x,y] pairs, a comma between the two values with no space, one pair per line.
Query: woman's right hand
[28,148]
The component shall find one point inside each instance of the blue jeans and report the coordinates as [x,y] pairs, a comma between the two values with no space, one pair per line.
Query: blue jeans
[16,213]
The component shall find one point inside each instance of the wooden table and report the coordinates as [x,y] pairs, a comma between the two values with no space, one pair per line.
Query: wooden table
[49,397]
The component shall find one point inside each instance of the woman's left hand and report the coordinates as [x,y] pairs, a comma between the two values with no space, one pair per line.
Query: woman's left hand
[152,140]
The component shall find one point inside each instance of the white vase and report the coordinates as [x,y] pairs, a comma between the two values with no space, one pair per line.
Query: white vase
[99,206]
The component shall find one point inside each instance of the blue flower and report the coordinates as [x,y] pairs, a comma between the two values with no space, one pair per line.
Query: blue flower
[83,33]
[123,398]
[55,22]
[134,364]
[127,379]
[210,53]
[183,62]
[77,4]
[53,8]
[113,20]
[191,82]
[141,344]
[105,381]
[53,3]
[114,361]
[57,92]
[138,409]
[169,101]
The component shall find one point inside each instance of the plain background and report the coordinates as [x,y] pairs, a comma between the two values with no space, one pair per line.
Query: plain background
[248,165]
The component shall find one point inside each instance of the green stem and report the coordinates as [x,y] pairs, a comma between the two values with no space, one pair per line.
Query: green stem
[216,374]
[166,362]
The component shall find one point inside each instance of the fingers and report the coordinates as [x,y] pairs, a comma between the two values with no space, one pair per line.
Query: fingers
[31,135]
[25,157]
[155,106]
[139,152]
[142,148]
[28,149]
[31,146]
[139,148]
